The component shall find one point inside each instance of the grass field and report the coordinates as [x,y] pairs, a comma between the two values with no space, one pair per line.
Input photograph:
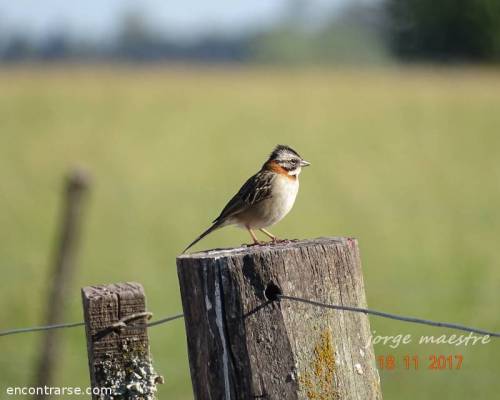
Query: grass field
[406,160]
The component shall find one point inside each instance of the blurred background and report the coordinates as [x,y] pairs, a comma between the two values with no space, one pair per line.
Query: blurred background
[170,105]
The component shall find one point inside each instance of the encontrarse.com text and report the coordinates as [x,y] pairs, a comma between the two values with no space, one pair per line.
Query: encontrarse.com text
[56,391]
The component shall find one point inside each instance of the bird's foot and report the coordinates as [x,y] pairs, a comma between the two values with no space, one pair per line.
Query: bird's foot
[271,242]
[257,243]
[284,241]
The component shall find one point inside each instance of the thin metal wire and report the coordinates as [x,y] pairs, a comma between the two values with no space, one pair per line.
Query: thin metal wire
[40,328]
[75,324]
[390,316]
[167,319]
[283,297]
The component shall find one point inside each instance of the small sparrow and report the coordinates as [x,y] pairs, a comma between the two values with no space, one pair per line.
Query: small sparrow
[265,198]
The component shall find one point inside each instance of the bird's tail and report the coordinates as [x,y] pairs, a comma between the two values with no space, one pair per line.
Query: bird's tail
[209,230]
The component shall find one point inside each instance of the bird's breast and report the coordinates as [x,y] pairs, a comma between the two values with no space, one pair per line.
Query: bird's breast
[284,193]
[270,211]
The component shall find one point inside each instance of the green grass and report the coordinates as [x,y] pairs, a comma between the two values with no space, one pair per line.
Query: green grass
[407,160]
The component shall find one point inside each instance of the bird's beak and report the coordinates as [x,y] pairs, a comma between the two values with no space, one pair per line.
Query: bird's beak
[304,163]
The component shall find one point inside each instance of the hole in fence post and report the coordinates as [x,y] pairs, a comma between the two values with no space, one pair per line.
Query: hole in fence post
[272,292]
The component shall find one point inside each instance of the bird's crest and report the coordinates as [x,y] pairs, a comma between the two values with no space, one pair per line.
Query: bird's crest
[283,151]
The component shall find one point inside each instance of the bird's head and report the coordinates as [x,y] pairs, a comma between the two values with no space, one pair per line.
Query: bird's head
[285,160]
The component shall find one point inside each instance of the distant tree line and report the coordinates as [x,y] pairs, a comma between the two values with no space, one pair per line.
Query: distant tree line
[444,30]
[361,32]
[352,35]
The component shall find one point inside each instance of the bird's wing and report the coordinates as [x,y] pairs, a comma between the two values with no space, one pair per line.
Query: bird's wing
[255,189]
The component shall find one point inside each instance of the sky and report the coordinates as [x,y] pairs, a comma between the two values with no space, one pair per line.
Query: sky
[184,18]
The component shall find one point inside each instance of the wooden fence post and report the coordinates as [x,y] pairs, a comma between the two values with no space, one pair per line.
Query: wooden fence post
[117,342]
[243,344]
[75,189]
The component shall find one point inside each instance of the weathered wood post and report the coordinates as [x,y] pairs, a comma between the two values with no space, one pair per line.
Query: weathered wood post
[75,190]
[244,345]
[117,342]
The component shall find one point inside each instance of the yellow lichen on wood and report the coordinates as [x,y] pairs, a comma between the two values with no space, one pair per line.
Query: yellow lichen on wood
[318,378]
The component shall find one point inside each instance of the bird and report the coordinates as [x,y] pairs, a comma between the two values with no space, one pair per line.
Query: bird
[265,198]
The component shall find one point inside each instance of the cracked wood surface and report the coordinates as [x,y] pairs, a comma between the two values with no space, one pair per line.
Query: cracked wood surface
[105,305]
[242,345]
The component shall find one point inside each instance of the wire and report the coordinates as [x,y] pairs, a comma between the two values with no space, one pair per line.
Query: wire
[278,297]
[167,319]
[390,316]
[75,324]
[40,328]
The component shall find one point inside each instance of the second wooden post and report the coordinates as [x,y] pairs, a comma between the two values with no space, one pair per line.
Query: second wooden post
[244,344]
